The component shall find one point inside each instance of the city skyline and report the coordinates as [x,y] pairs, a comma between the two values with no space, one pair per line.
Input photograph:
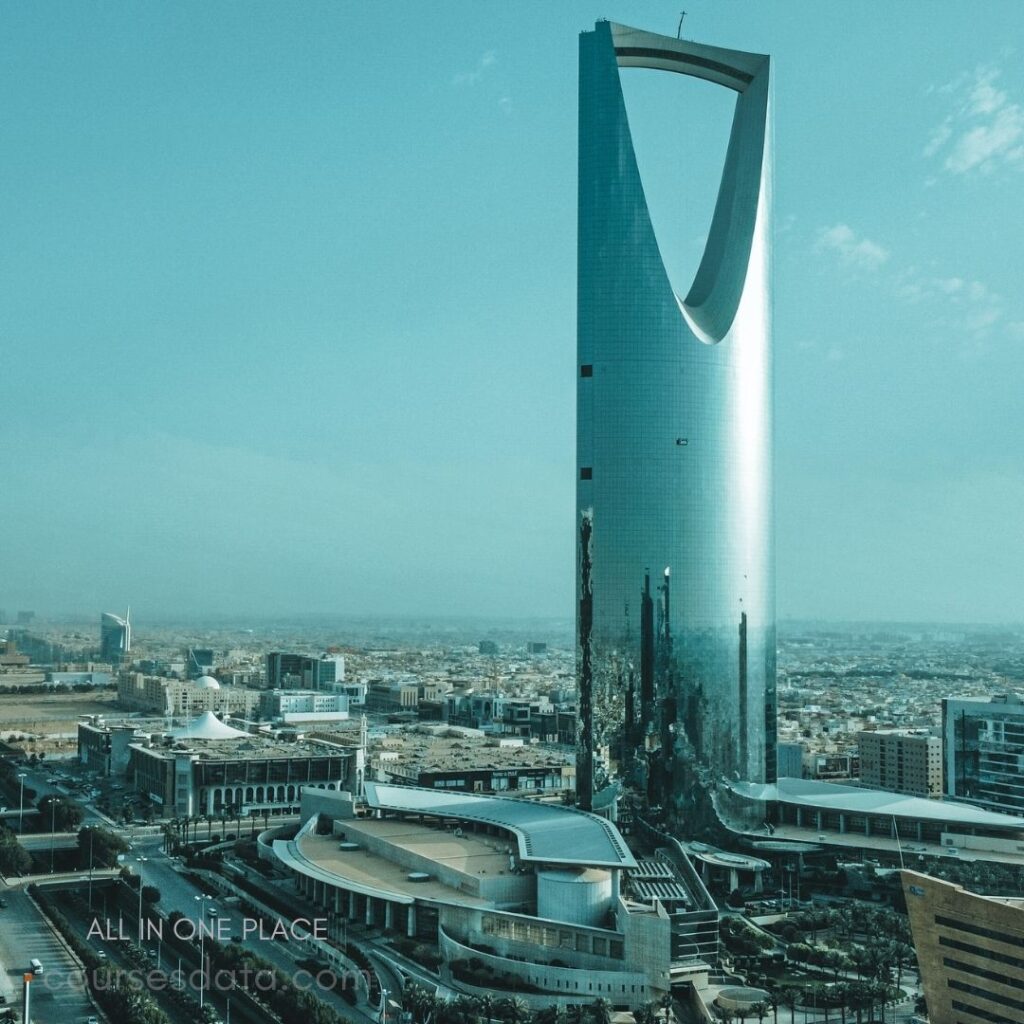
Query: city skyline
[226,231]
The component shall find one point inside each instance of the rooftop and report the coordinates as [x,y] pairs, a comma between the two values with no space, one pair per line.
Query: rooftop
[546,833]
[421,752]
[376,875]
[828,796]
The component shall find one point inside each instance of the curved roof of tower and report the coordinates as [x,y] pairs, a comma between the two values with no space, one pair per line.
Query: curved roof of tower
[546,833]
[207,726]
[206,683]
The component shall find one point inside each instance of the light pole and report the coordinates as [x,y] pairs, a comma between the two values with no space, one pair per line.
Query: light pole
[92,833]
[202,937]
[21,804]
[53,819]
[141,861]
[383,1006]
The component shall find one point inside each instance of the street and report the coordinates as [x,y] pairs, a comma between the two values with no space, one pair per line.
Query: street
[58,994]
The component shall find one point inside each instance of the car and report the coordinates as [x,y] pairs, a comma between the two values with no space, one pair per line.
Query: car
[92,1020]
[101,954]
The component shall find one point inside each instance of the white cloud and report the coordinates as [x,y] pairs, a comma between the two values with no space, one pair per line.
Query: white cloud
[985,130]
[854,250]
[487,60]
[969,308]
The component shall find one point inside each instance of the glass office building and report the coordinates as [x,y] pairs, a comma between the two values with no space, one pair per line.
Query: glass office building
[674,445]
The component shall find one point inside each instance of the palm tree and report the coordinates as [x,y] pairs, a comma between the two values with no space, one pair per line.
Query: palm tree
[487,1005]
[787,997]
[601,1011]
[517,1010]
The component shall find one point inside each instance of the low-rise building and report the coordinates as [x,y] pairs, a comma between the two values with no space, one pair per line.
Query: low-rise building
[304,706]
[207,767]
[540,897]
[103,746]
[165,696]
[471,764]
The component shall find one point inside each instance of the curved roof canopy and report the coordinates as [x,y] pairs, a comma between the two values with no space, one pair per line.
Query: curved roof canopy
[545,833]
[207,727]
[827,796]
[206,683]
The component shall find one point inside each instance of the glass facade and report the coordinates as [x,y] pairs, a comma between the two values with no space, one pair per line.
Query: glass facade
[674,445]
[115,638]
[984,751]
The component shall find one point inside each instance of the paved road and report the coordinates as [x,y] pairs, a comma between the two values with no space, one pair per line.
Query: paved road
[58,995]
[178,893]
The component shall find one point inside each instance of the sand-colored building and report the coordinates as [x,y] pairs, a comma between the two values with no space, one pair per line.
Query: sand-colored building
[970,949]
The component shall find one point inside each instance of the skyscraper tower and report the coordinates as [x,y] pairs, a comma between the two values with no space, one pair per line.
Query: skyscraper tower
[115,637]
[674,436]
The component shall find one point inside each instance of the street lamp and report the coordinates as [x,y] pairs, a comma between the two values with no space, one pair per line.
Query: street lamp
[202,957]
[21,804]
[141,861]
[92,833]
[53,820]
[383,1006]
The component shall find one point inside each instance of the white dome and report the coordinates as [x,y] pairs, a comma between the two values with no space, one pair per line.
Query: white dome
[206,683]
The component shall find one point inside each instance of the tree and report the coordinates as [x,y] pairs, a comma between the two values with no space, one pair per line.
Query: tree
[14,858]
[60,814]
[150,894]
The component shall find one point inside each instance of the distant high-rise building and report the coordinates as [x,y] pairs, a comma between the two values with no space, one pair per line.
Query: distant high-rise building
[199,661]
[115,637]
[300,671]
[284,670]
[25,618]
[901,762]
[536,647]
[674,442]
[488,647]
[983,751]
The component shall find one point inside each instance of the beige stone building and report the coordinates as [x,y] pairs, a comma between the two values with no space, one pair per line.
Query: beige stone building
[970,949]
[184,697]
[901,762]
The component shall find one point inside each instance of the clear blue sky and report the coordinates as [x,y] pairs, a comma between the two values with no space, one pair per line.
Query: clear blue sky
[289,312]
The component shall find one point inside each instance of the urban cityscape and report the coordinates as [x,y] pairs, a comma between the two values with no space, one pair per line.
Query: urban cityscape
[682,749]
